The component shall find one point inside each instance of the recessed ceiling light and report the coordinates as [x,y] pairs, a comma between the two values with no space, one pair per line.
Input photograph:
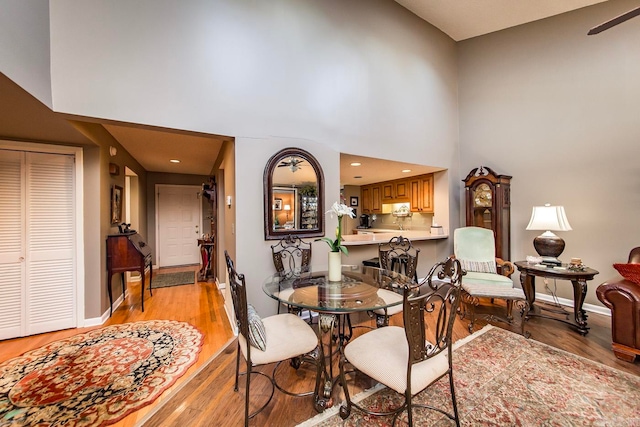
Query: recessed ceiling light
[356,164]
[406,170]
[174,161]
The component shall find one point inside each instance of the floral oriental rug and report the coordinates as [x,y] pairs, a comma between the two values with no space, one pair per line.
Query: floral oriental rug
[503,379]
[96,378]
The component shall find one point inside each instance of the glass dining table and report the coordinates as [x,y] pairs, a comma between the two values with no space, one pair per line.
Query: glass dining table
[360,289]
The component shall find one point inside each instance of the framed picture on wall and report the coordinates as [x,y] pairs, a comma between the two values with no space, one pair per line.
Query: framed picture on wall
[116,204]
[354,201]
[277,204]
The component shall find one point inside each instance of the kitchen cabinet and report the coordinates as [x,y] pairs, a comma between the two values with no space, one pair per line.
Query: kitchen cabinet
[365,198]
[371,196]
[396,191]
[401,187]
[421,193]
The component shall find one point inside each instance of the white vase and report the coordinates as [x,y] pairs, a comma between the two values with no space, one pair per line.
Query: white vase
[335,266]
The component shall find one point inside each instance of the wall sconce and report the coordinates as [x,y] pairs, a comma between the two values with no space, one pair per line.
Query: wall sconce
[549,218]
[287,208]
[113,151]
[229,202]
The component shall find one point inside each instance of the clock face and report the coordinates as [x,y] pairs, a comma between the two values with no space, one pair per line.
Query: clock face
[482,197]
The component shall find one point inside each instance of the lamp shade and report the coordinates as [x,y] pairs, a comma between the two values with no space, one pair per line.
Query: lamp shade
[287,207]
[549,218]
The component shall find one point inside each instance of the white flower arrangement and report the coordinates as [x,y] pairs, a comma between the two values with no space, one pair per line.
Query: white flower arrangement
[340,210]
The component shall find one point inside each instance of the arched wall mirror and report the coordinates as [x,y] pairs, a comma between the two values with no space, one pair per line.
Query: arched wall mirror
[293,195]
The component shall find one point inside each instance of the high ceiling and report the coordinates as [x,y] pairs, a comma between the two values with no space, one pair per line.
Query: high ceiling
[153,148]
[464,19]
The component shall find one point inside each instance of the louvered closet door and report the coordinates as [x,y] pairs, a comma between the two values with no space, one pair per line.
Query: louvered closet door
[37,243]
[12,243]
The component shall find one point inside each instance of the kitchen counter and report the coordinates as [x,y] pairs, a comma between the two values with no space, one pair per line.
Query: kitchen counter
[379,235]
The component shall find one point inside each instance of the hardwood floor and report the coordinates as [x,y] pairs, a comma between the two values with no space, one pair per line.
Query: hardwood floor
[208,399]
[199,304]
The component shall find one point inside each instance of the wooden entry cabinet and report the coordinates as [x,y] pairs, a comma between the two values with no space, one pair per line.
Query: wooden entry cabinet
[488,205]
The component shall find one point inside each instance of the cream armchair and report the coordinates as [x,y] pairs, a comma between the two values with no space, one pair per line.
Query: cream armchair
[486,276]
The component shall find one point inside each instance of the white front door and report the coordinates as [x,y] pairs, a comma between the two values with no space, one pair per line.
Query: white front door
[179,210]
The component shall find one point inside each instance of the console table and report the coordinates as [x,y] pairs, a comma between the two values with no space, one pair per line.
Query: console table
[528,273]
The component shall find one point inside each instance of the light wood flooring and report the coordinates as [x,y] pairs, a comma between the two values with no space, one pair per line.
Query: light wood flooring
[209,400]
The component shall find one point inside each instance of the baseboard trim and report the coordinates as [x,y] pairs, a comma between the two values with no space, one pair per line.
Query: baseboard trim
[569,303]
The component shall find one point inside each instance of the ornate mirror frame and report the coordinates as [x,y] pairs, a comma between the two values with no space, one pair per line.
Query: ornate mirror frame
[270,203]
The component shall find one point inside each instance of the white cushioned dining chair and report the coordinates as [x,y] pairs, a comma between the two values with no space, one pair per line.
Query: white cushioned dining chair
[270,340]
[402,358]
[474,247]
[398,254]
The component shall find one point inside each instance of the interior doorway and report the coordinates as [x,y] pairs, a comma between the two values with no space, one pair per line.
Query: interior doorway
[179,224]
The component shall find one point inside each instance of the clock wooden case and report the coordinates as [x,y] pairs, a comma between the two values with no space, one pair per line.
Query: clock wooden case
[488,205]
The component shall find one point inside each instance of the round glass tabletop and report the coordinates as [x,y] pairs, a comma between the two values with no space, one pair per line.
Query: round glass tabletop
[361,288]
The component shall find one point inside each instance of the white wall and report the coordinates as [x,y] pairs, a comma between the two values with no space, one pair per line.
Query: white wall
[363,77]
[559,111]
[24,46]
[342,73]
[253,253]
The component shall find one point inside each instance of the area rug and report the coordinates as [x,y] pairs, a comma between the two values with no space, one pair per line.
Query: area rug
[503,379]
[96,378]
[164,280]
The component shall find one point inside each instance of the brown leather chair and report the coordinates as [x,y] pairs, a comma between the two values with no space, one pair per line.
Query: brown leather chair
[622,297]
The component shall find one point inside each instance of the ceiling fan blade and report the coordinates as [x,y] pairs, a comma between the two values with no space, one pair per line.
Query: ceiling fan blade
[615,21]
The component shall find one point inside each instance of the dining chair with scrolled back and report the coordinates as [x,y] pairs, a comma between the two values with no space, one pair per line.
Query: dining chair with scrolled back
[398,254]
[270,340]
[411,358]
[291,257]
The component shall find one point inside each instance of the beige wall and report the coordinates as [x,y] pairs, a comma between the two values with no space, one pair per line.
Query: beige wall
[558,110]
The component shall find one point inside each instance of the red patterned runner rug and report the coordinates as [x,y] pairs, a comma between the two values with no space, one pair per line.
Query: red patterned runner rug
[96,378]
[503,379]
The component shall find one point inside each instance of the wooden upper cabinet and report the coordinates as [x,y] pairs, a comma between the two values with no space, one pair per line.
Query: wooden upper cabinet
[388,191]
[365,197]
[376,198]
[418,191]
[395,191]
[421,191]
[371,196]
[401,187]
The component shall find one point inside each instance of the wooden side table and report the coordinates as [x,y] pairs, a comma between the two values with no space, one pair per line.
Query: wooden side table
[528,273]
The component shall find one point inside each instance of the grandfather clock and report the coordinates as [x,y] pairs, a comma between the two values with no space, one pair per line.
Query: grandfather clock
[488,205]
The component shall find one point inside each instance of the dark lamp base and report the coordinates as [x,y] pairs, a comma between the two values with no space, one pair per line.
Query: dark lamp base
[549,246]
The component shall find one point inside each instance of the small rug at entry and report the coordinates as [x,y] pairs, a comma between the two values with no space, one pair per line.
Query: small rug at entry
[164,280]
[96,378]
[503,379]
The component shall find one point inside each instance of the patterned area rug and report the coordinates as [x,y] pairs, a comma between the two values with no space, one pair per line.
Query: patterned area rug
[502,379]
[164,280]
[96,378]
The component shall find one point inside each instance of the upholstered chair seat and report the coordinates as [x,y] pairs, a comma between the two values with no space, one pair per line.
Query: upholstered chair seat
[485,276]
[402,358]
[280,329]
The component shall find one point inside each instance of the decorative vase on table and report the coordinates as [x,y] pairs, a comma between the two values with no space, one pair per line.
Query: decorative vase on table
[335,266]
[335,256]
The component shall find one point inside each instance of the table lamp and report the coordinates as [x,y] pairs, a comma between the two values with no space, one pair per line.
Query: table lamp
[287,209]
[548,245]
